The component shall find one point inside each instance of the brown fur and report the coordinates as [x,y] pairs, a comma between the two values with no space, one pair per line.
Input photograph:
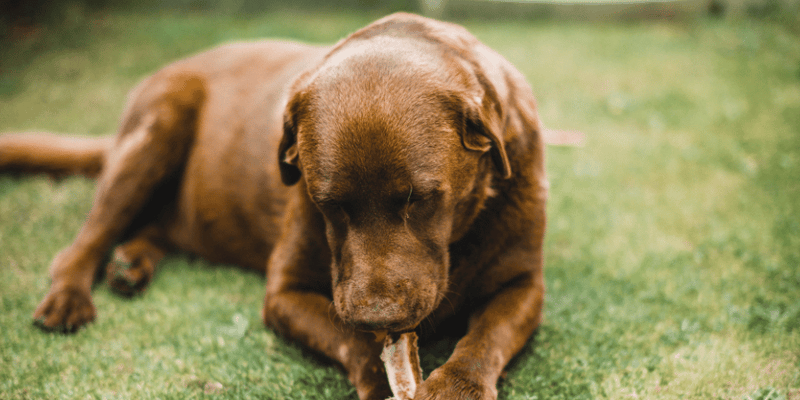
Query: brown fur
[414,161]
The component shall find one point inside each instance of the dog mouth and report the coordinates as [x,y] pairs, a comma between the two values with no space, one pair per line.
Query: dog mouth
[383,328]
[381,316]
[367,311]
[380,335]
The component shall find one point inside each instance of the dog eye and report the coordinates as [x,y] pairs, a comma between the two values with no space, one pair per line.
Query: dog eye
[408,200]
[412,203]
[414,199]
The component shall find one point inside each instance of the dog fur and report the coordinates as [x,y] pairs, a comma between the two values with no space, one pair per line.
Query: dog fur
[397,178]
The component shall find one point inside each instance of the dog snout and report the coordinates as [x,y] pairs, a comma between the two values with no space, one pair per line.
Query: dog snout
[381,313]
[372,307]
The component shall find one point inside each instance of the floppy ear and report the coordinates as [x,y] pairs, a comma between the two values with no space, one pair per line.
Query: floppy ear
[482,132]
[288,158]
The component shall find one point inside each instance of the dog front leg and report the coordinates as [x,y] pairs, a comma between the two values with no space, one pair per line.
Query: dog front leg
[297,307]
[496,332]
[307,318]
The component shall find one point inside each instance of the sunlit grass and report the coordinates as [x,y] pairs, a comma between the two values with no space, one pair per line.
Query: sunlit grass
[673,247]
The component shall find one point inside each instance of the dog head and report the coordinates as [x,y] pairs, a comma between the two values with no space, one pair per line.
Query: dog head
[398,136]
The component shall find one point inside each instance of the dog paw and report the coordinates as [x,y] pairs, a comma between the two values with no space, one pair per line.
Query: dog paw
[378,392]
[451,383]
[65,310]
[129,276]
[370,382]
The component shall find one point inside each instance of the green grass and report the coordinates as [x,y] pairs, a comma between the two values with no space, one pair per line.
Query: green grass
[673,247]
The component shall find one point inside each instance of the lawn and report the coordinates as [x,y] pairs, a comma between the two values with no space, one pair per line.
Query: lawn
[673,246]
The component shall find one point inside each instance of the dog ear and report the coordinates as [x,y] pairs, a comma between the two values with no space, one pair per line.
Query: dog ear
[288,157]
[482,132]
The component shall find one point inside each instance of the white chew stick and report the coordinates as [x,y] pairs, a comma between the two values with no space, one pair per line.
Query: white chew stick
[401,359]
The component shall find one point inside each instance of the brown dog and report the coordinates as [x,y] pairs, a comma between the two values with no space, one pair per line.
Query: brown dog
[414,161]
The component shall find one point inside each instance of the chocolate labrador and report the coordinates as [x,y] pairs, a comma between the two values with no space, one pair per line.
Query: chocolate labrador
[397,178]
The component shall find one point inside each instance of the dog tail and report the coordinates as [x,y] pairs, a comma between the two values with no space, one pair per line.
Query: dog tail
[53,154]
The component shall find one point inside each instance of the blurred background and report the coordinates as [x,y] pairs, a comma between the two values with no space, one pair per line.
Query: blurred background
[21,13]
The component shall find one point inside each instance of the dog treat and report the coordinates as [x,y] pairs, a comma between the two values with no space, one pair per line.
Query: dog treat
[400,356]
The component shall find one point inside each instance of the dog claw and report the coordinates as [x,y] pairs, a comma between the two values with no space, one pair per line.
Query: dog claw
[127,277]
[65,311]
[39,322]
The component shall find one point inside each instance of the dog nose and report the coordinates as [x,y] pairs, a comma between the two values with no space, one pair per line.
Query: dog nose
[379,313]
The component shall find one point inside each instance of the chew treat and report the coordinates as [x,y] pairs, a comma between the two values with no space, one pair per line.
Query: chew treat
[400,356]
